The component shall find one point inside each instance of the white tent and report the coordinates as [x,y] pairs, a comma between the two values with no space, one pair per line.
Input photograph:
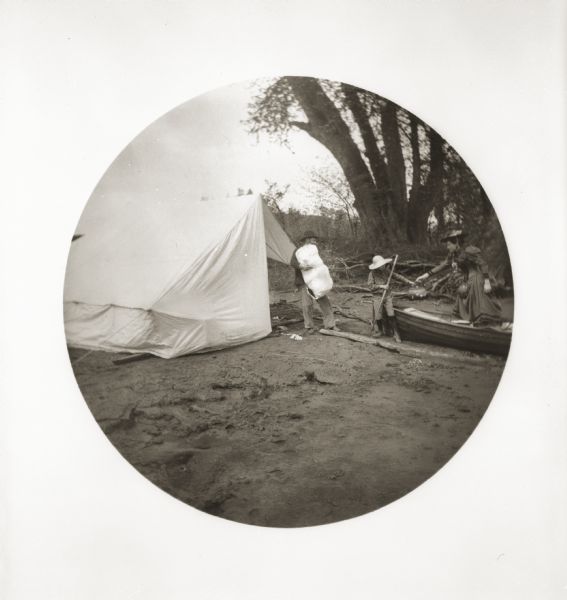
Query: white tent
[171,277]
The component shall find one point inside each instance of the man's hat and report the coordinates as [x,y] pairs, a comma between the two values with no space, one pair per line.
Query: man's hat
[309,234]
[378,261]
[452,233]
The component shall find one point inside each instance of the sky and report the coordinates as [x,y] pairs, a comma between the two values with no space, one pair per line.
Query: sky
[202,149]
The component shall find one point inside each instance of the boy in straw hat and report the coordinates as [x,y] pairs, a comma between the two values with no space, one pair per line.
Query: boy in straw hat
[382,310]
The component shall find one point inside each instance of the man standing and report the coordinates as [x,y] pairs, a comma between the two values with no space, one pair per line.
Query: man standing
[307,300]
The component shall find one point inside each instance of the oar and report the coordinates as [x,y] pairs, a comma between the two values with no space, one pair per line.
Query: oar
[384,293]
[388,283]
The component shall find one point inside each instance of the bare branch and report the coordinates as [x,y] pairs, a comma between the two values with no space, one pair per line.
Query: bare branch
[303,125]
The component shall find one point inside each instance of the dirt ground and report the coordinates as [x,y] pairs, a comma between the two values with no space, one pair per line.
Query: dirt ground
[290,433]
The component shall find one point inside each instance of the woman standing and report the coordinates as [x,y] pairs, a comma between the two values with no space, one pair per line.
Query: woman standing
[474,301]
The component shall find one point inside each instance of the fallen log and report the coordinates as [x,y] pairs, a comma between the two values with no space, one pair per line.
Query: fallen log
[355,337]
[359,288]
[277,323]
[412,350]
[340,311]
[402,278]
[351,288]
[357,266]
[416,264]
[366,257]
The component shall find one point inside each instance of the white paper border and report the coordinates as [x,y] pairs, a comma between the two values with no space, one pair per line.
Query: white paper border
[81,79]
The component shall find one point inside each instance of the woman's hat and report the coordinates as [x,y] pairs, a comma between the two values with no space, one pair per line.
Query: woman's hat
[378,261]
[452,233]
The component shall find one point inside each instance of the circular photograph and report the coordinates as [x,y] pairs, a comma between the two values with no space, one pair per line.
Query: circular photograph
[288,302]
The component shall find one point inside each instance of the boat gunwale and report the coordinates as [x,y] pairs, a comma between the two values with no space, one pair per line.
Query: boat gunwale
[441,332]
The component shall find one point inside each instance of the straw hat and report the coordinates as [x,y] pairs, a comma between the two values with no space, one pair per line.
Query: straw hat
[378,261]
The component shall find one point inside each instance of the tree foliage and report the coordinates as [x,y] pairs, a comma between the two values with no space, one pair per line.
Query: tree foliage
[333,197]
[402,176]
[273,196]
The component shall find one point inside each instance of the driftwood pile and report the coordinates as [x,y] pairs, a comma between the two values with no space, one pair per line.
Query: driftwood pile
[353,271]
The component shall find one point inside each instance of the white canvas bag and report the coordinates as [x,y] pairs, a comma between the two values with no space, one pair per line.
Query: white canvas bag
[315,273]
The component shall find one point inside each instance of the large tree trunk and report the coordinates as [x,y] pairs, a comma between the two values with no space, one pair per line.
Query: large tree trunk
[326,125]
[377,163]
[435,179]
[419,205]
[396,165]
[427,197]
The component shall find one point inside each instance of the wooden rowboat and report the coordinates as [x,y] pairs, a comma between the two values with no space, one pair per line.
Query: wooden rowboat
[443,330]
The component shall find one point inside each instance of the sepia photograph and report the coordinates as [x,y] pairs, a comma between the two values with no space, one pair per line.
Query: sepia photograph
[282,301]
[288,302]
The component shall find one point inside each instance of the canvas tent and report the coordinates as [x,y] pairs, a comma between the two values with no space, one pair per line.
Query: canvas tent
[171,277]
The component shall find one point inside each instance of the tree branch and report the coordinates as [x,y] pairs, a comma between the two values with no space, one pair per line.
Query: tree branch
[303,125]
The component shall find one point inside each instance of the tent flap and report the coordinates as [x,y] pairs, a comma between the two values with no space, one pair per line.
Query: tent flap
[278,244]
